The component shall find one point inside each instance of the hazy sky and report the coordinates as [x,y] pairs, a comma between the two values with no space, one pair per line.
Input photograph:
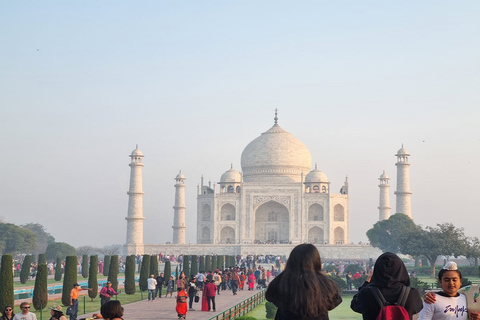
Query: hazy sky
[193,82]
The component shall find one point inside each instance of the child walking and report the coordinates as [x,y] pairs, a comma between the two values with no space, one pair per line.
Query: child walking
[181,308]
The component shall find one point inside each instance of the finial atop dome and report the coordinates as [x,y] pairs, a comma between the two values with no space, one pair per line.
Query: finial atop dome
[231,165]
[315,166]
[276,118]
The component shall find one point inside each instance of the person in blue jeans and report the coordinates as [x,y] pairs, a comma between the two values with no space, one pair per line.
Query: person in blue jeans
[152,285]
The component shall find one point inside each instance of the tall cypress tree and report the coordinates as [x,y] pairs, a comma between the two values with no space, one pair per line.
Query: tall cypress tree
[167,270]
[113,272]
[220,262]
[202,264]
[93,277]
[69,279]
[40,293]
[194,268]
[85,266]
[154,265]
[25,272]
[186,265]
[144,270]
[42,258]
[58,270]
[208,263]
[106,265]
[130,275]
[214,263]
[6,282]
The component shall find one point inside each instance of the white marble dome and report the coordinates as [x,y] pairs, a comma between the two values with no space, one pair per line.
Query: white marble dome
[316,176]
[231,175]
[137,152]
[180,176]
[402,151]
[275,156]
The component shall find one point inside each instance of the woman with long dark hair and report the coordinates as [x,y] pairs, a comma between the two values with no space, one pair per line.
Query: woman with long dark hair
[302,291]
[7,313]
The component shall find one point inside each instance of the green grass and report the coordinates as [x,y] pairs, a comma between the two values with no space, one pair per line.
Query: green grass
[342,312]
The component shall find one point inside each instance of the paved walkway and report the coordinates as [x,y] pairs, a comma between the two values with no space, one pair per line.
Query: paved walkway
[164,308]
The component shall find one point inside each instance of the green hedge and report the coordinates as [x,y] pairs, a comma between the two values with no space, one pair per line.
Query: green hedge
[93,277]
[69,279]
[40,293]
[58,270]
[85,266]
[25,272]
[130,275]
[113,272]
[144,273]
[6,282]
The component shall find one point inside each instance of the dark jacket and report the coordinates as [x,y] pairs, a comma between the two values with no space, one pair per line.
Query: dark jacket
[389,275]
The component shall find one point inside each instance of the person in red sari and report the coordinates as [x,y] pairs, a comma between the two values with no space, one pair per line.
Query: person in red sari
[251,281]
[181,308]
[204,299]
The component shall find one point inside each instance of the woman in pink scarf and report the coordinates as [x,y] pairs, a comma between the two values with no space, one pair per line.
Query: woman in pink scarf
[251,281]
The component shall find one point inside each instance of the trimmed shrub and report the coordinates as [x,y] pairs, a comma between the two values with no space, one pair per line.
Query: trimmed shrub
[93,277]
[202,263]
[214,263]
[42,258]
[25,272]
[40,293]
[220,262]
[186,265]
[271,310]
[194,268]
[208,263]
[359,281]
[6,282]
[342,284]
[465,282]
[106,265]
[58,270]
[130,275]
[167,270]
[85,266]
[113,272]
[154,265]
[419,285]
[69,279]
[144,270]
[353,268]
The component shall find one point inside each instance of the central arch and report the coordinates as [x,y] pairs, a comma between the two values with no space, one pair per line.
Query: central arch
[272,222]
[227,235]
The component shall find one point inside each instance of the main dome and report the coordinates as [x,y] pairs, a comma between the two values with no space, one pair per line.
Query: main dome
[275,156]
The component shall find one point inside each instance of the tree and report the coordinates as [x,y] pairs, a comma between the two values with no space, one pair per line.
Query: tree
[194,268]
[42,258]
[69,279]
[202,264]
[186,265]
[208,263]
[113,272]
[473,251]
[59,250]
[16,239]
[154,265]
[40,293]
[92,277]
[130,275]
[220,262]
[167,270]
[144,273]
[25,271]
[106,265]
[6,282]
[43,237]
[85,266]
[391,234]
[214,262]
[88,250]
[58,269]
[111,250]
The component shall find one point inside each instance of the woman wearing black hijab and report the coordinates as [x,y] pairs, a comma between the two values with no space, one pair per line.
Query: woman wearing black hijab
[389,276]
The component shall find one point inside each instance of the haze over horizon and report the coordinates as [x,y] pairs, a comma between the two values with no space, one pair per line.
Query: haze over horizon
[193,82]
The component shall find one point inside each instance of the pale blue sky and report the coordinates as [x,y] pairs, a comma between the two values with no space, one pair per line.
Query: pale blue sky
[193,82]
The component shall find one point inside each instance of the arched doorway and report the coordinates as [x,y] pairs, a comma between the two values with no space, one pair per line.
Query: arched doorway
[315,235]
[339,235]
[272,223]
[227,235]
[227,212]
[205,235]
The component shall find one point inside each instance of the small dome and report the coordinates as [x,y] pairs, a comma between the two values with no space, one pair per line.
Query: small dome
[137,152]
[180,176]
[384,175]
[402,152]
[316,176]
[231,175]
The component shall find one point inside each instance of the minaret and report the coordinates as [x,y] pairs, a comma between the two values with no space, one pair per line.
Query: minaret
[135,200]
[403,192]
[179,210]
[384,205]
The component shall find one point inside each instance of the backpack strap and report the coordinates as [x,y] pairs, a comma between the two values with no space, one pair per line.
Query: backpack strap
[377,294]
[402,299]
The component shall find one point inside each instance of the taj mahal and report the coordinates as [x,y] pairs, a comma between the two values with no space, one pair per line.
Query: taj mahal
[277,198]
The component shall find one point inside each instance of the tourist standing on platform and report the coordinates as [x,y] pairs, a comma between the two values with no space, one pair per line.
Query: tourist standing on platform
[200,280]
[210,290]
[7,313]
[192,291]
[302,291]
[151,286]
[160,283]
[26,314]
[106,293]
[74,300]
[181,307]
[217,280]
